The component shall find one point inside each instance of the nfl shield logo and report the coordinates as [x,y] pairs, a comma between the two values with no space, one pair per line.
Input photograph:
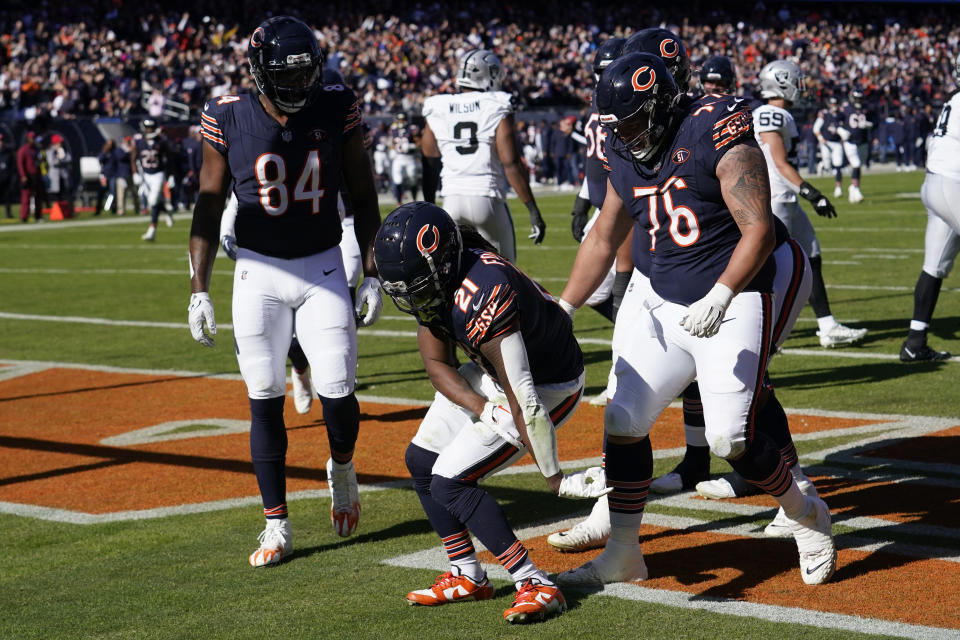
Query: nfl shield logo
[287,136]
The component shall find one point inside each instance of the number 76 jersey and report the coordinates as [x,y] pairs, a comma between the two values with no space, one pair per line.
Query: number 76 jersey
[465,126]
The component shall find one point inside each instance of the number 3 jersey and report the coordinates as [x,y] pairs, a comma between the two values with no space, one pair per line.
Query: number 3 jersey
[494,298]
[465,126]
[286,178]
[768,118]
[943,155]
[679,204]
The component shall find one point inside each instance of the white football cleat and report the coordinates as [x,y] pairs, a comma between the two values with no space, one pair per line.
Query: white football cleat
[668,483]
[837,191]
[618,563]
[855,195]
[840,336]
[169,219]
[150,235]
[716,489]
[591,533]
[345,495]
[781,526]
[276,543]
[302,390]
[818,556]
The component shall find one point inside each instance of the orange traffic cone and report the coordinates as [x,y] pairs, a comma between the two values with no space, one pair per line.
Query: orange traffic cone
[57,212]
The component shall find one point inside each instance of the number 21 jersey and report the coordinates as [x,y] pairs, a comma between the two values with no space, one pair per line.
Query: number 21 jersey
[465,126]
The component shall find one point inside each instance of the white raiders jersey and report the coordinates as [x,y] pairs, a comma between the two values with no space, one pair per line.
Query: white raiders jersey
[465,125]
[768,118]
[943,155]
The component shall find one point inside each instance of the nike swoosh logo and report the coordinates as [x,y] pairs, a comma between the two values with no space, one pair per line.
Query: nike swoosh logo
[910,353]
[326,273]
[736,103]
[811,571]
[479,304]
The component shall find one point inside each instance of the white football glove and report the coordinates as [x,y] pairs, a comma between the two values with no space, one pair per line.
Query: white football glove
[368,294]
[200,312]
[705,315]
[229,244]
[589,483]
[494,413]
[567,307]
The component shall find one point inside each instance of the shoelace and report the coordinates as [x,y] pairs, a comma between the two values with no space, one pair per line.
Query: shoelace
[271,535]
[445,579]
[527,590]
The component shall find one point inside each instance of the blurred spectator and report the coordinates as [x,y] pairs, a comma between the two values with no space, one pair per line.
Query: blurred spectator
[31,181]
[59,167]
[562,151]
[191,157]
[8,175]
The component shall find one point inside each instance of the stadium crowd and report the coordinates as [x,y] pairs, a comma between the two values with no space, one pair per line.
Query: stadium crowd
[120,59]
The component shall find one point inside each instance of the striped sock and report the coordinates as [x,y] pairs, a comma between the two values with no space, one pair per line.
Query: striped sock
[463,556]
[275,513]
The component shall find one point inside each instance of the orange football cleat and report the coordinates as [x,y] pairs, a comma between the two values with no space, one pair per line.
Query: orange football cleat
[451,588]
[535,602]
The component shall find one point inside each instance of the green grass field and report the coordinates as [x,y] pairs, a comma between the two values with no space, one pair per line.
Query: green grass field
[91,292]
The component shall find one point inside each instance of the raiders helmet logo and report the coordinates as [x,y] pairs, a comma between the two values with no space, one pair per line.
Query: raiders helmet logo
[669,48]
[681,155]
[781,76]
[436,239]
[256,40]
[643,86]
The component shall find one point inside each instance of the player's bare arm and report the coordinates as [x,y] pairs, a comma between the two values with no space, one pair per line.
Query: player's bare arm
[428,143]
[598,249]
[358,178]
[205,229]
[510,159]
[438,360]
[508,356]
[745,186]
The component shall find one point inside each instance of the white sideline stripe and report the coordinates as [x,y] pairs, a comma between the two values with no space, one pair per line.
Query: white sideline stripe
[386,333]
[435,559]
[80,517]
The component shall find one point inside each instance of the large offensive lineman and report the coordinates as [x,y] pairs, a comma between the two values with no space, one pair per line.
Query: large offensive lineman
[690,172]
[473,134]
[285,148]
[940,194]
[524,380]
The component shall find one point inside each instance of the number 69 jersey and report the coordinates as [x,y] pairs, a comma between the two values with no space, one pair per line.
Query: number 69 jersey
[465,125]
[774,119]
[495,297]
[679,204]
[286,178]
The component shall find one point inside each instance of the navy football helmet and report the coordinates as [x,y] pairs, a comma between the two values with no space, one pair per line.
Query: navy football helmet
[856,97]
[149,128]
[719,71]
[607,52]
[417,251]
[666,45]
[285,61]
[636,99]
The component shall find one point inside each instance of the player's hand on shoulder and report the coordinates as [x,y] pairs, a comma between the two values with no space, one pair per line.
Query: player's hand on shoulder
[200,313]
[369,296]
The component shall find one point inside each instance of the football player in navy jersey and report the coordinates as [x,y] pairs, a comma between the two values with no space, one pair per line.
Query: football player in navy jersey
[690,172]
[286,148]
[717,76]
[149,159]
[524,379]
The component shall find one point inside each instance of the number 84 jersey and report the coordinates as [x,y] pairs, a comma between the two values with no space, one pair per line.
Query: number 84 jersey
[465,126]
